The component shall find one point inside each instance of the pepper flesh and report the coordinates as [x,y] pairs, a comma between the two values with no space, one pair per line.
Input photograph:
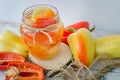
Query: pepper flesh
[25,71]
[82,46]
[8,57]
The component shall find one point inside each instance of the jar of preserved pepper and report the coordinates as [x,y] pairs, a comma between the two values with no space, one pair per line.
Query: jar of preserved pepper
[42,30]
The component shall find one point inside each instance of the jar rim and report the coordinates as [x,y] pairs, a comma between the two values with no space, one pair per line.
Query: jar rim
[28,11]
[40,5]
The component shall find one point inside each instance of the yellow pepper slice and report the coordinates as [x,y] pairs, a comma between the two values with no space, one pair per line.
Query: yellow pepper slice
[9,41]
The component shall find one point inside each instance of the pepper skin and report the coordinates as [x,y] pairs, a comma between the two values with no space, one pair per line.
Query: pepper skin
[108,45]
[82,46]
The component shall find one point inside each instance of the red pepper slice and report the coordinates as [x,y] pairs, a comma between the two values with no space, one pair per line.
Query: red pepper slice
[27,71]
[7,57]
[43,22]
[76,26]
[3,67]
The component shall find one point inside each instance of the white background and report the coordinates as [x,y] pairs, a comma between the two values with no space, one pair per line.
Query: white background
[105,14]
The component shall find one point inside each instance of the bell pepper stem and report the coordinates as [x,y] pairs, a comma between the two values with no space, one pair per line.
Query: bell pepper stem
[92,29]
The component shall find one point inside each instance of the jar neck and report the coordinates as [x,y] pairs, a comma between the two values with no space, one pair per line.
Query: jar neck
[29,11]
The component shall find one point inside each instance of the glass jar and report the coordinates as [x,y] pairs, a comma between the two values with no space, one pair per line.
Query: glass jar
[43,37]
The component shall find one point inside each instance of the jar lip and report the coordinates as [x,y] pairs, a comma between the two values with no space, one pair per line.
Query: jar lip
[28,11]
[40,5]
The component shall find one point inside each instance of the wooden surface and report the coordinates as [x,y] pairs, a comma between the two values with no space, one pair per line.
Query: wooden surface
[61,59]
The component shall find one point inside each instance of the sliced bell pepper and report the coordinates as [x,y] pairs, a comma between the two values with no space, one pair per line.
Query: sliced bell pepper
[10,41]
[11,56]
[82,46]
[3,67]
[76,26]
[7,57]
[16,68]
[24,71]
